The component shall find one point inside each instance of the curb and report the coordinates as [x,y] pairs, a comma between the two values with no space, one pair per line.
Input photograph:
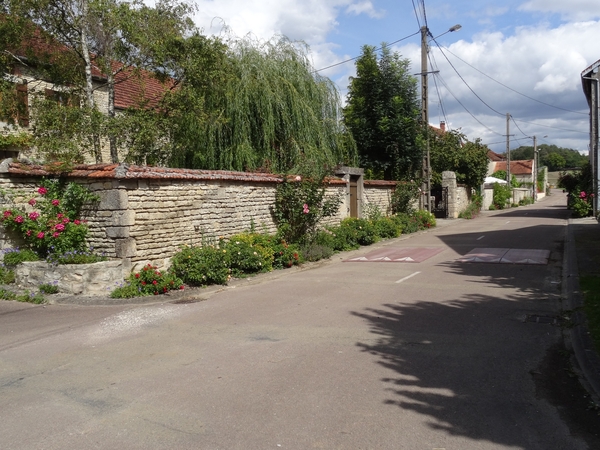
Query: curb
[579,338]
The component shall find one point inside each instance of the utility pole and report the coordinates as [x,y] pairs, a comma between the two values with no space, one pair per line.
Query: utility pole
[426,172]
[536,171]
[508,148]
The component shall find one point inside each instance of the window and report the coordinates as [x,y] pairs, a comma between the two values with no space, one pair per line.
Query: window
[63,98]
[16,107]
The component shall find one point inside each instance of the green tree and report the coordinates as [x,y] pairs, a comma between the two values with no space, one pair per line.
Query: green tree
[382,114]
[451,150]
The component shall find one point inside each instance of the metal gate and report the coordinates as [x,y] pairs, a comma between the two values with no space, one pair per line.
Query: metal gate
[439,202]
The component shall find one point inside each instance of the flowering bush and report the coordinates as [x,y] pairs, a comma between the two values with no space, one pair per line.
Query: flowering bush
[148,281]
[52,225]
[201,266]
[248,253]
[300,204]
[581,204]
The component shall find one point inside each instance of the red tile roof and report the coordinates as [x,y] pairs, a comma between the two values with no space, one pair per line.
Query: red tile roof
[524,167]
[493,156]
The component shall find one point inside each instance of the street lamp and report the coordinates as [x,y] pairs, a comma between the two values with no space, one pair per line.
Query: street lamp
[426,172]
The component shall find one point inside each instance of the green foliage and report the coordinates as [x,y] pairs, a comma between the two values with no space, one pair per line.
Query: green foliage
[75,257]
[201,266]
[555,158]
[312,252]
[404,197]
[27,297]
[48,289]
[247,254]
[473,209]
[254,105]
[581,204]
[387,227]
[382,114]
[54,227]
[148,281]
[362,231]
[21,139]
[451,151]
[7,275]
[408,222]
[425,219]
[14,257]
[501,196]
[300,204]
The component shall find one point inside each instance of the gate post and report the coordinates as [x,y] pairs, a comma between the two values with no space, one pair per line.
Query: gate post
[449,181]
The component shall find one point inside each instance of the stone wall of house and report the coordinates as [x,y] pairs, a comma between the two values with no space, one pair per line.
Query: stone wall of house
[459,196]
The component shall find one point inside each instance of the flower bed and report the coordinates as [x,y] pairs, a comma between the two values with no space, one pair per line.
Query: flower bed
[82,279]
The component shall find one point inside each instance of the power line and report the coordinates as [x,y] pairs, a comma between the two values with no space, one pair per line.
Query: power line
[464,81]
[356,57]
[511,89]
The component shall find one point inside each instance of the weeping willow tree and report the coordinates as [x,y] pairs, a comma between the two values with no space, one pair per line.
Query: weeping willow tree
[259,105]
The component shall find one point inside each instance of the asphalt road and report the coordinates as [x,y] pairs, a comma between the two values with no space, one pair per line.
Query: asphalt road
[340,355]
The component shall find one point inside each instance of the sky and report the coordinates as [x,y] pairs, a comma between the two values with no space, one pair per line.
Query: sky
[521,57]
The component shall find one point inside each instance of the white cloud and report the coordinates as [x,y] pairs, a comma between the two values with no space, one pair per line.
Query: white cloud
[572,9]
[365,7]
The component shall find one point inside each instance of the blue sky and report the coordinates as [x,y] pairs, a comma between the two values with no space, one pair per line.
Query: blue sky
[534,47]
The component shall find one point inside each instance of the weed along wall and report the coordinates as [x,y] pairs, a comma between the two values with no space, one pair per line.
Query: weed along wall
[146,213]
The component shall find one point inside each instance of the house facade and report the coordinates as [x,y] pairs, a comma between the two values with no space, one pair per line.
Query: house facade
[590,78]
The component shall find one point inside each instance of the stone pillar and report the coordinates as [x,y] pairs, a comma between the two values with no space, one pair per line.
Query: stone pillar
[116,203]
[449,181]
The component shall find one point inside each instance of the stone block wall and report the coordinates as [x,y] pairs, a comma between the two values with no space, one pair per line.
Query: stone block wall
[379,195]
[147,214]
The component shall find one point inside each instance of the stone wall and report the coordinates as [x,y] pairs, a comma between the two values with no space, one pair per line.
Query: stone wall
[459,196]
[145,214]
[379,195]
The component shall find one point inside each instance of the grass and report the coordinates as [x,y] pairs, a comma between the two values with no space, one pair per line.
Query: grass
[590,286]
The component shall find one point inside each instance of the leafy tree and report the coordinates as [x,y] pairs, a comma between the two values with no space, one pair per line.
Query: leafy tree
[451,151]
[556,158]
[382,114]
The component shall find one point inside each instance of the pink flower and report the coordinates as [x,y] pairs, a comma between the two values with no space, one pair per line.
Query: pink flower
[55,202]
[59,215]
[34,215]
[42,191]
[66,220]
[7,213]
[40,235]
[19,219]
[582,194]
[28,233]
[56,234]
[298,178]
[32,202]
[305,209]
[60,227]
[76,222]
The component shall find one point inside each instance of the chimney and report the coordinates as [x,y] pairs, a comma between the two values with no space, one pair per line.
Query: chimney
[443,126]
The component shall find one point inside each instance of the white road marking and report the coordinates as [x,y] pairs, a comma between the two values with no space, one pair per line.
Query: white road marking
[407,277]
[480,238]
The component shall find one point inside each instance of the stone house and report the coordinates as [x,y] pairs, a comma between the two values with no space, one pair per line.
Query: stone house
[590,78]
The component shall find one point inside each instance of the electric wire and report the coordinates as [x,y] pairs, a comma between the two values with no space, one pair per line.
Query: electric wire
[434,66]
[356,57]
[511,89]
[519,128]
[416,13]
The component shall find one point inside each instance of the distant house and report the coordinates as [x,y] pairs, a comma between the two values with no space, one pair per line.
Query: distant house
[524,171]
[132,89]
[590,78]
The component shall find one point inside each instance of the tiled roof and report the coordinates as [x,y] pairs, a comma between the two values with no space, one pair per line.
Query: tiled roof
[130,172]
[493,156]
[524,167]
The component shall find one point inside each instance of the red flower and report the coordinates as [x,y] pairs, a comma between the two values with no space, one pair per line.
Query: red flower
[56,234]
[154,282]
[66,220]
[40,235]
[19,219]
[55,202]
[42,191]
[7,213]
[143,283]
[76,222]
[32,202]
[34,215]
[181,287]
[137,275]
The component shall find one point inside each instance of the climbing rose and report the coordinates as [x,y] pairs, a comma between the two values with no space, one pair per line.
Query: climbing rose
[7,213]
[56,234]
[76,222]
[42,191]
[582,194]
[305,209]
[55,202]
[32,202]
[34,215]
[59,227]
[40,235]
[19,219]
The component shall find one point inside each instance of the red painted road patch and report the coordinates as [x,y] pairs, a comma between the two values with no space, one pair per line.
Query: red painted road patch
[407,254]
[507,256]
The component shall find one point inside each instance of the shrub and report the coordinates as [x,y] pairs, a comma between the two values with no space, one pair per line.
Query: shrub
[425,219]
[581,204]
[53,224]
[27,297]
[14,257]
[387,228]
[148,281]
[48,289]
[7,276]
[300,204]
[473,209]
[501,196]
[201,266]
[404,197]
[247,254]
[408,222]
[365,232]
[315,252]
